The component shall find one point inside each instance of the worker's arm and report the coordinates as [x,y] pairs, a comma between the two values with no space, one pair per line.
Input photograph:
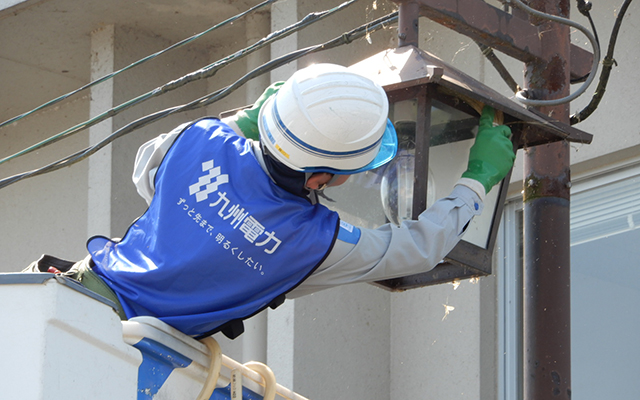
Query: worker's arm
[418,246]
[391,251]
[245,122]
[148,160]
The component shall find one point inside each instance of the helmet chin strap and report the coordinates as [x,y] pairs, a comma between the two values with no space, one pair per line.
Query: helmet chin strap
[319,192]
[294,182]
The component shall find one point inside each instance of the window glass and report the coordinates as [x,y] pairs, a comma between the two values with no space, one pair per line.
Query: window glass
[605,291]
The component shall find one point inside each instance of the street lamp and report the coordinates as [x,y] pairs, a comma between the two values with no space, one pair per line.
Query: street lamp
[435,110]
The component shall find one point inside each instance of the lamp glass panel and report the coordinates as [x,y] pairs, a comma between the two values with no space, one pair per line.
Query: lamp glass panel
[384,195]
[397,184]
[452,135]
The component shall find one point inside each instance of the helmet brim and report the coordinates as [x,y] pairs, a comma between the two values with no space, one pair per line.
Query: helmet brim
[386,153]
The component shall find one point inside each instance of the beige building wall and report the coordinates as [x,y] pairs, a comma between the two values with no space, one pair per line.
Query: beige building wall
[45,214]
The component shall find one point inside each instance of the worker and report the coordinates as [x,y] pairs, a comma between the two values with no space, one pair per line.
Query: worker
[235,224]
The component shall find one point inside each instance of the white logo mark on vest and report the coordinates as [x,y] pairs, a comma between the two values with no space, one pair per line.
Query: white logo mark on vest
[206,184]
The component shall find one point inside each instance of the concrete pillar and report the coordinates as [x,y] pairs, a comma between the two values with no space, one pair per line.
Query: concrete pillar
[99,198]
[258,25]
[282,320]
[284,14]
[280,349]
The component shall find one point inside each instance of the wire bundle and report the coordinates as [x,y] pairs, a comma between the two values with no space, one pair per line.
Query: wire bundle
[345,38]
[203,73]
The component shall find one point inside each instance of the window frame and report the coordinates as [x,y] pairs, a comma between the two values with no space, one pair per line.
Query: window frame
[509,275]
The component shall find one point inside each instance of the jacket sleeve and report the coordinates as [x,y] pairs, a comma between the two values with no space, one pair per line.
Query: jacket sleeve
[392,251]
[148,160]
[150,156]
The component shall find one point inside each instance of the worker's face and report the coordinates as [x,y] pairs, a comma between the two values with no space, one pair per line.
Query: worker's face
[320,180]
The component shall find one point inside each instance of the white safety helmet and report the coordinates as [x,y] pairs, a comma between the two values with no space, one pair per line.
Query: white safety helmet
[326,118]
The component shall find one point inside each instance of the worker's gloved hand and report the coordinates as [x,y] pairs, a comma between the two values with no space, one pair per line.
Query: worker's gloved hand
[247,119]
[491,156]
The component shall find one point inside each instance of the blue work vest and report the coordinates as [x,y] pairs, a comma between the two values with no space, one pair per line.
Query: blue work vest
[219,241]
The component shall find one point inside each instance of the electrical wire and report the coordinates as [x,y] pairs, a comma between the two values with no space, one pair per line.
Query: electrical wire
[608,61]
[499,66]
[521,95]
[585,7]
[203,73]
[345,38]
[607,65]
[135,64]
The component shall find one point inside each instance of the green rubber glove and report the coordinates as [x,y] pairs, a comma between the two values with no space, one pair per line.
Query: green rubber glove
[491,156]
[247,119]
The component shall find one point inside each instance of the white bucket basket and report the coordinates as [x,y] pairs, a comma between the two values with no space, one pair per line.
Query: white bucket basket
[62,341]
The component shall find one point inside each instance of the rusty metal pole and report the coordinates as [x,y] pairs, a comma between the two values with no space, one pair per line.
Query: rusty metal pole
[546,300]
[408,15]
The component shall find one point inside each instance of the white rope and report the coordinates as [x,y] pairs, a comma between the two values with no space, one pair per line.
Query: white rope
[215,365]
[267,376]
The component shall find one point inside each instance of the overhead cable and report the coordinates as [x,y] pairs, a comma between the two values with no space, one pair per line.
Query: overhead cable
[203,73]
[346,38]
[607,65]
[522,94]
[585,9]
[135,64]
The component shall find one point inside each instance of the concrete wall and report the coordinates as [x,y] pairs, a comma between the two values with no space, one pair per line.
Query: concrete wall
[435,342]
[45,214]
[342,344]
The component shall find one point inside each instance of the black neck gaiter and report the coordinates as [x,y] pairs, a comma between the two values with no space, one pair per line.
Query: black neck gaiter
[288,179]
